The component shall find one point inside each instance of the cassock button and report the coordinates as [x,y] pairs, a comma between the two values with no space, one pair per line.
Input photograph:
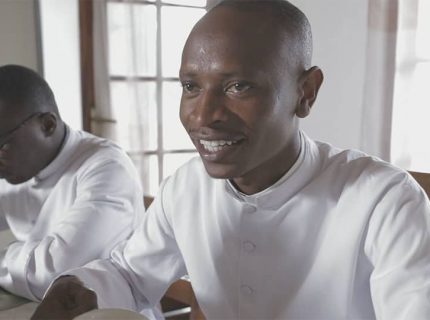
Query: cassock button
[246,290]
[248,246]
[249,209]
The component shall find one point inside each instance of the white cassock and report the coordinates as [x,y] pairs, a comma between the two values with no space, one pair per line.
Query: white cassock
[75,210]
[341,236]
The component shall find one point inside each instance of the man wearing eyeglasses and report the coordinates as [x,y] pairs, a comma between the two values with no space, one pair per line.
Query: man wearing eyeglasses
[67,196]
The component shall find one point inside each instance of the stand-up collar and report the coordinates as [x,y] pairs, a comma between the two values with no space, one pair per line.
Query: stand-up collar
[291,182]
[62,159]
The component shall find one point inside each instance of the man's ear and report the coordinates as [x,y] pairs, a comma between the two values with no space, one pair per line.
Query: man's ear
[310,83]
[49,123]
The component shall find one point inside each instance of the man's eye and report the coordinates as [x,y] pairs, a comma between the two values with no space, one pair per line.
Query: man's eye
[238,87]
[188,87]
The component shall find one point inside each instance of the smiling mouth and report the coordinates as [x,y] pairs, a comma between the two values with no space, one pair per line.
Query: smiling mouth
[216,145]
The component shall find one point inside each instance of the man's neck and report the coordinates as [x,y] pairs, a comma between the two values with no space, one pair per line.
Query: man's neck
[268,173]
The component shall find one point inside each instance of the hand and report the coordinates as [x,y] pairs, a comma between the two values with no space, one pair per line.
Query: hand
[66,299]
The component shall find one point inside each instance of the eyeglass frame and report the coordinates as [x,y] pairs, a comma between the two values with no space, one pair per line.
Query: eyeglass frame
[4,139]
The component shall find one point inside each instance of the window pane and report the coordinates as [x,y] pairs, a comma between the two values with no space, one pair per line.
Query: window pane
[174,33]
[119,37]
[173,161]
[147,167]
[145,26]
[197,3]
[423,42]
[174,135]
[135,110]
[132,53]
[419,130]
[410,120]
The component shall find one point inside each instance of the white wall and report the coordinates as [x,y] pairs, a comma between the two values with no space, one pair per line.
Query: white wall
[61,57]
[18,33]
[340,33]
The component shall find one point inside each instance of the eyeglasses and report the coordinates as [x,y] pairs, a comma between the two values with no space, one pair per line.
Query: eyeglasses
[4,139]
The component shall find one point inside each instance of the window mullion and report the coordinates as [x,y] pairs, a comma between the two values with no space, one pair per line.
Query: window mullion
[159,88]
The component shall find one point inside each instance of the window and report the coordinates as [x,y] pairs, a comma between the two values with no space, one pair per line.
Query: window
[145,43]
[411,118]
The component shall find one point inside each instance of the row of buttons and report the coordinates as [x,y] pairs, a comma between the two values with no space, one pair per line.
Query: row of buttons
[248,247]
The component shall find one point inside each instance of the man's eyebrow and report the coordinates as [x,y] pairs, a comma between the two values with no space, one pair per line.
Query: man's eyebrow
[228,74]
[187,74]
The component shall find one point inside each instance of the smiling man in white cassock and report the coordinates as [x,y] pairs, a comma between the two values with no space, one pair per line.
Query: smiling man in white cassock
[268,223]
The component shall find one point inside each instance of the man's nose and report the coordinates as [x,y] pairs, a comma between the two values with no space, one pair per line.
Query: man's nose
[210,108]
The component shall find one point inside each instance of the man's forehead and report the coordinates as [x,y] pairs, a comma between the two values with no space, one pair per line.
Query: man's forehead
[233,40]
[9,111]
[226,53]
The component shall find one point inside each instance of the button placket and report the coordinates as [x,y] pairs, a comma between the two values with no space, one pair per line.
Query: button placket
[249,209]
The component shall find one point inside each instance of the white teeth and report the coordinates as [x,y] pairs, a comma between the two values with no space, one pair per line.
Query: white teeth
[215,145]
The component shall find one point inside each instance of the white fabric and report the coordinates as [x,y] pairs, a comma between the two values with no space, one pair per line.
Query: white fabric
[75,210]
[345,236]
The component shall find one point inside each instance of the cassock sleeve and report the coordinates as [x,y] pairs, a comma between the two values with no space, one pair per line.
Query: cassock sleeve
[141,268]
[108,199]
[398,246]
[3,223]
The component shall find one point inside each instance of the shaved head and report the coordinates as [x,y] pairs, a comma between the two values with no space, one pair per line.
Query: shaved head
[285,16]
[23,91]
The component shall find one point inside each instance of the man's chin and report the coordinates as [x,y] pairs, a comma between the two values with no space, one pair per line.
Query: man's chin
[15,179]
[221,171]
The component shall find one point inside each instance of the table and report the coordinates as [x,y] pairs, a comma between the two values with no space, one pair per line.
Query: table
[15,308]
